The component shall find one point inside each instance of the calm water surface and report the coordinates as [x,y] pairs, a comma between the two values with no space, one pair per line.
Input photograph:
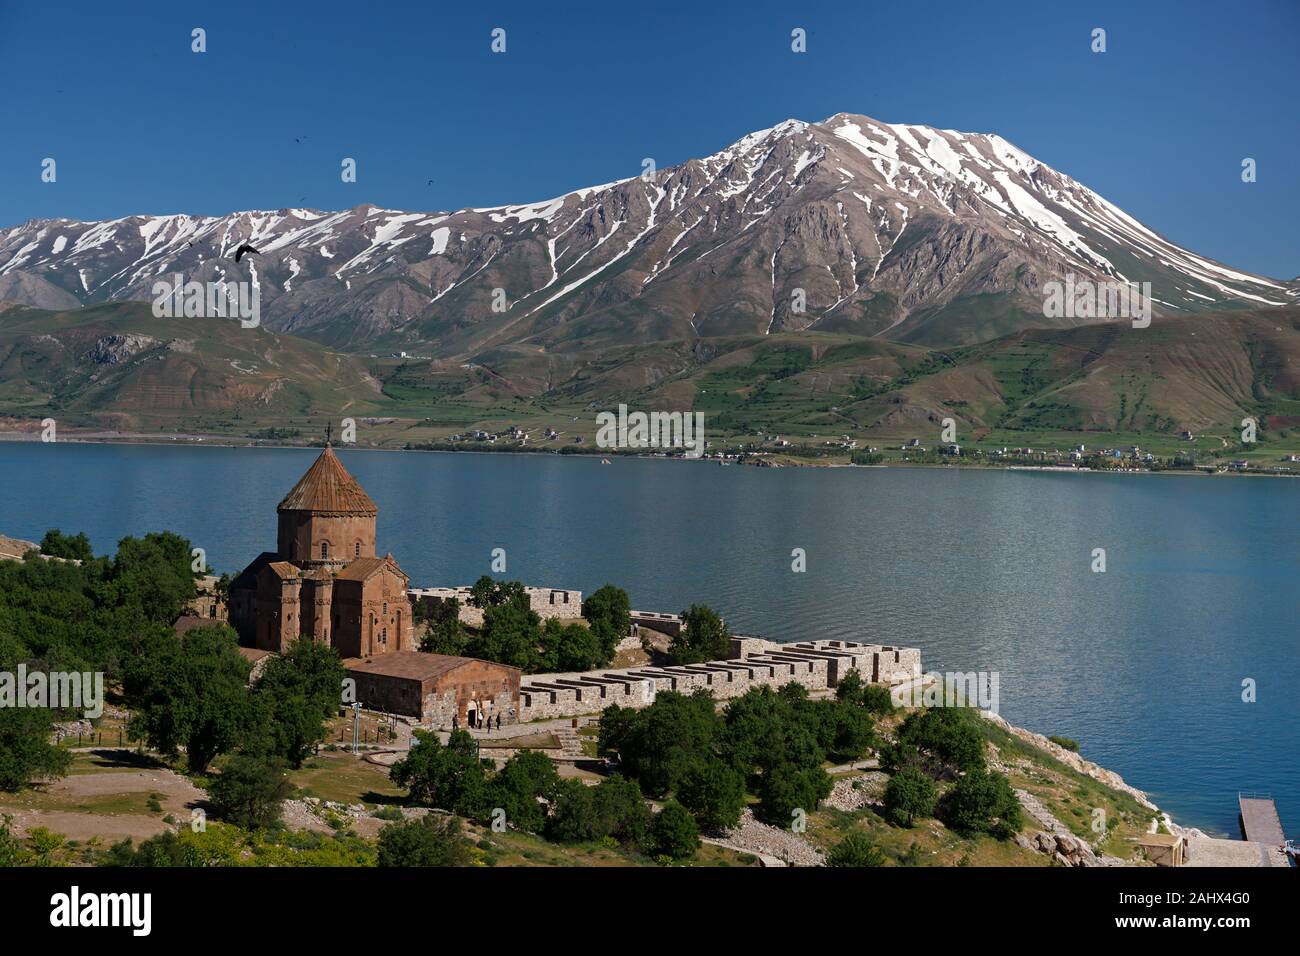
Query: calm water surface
[983,570]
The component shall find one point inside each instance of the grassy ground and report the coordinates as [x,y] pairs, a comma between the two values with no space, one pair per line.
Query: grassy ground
[1073,797]
[537,741]
[343,778]
[929,843]
[512,848]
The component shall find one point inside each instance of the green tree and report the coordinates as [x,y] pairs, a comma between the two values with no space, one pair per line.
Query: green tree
[608,612]
[296,694]
[192,692]
[945,741]
[908,795]
[446,634]
[658,743]
[873,698]
[154,573]
[11,848]
[487,592]
[703,637]
[570,647]
[511,635]
[856,849]
[60,545]
[613,808]
[876,699]
[573,815]
[674,832]
[164,850]
[428,841]
[26,753]
[983,802]
[850,687]
[526,778]
[450,777]
[847,731]
[714,793]
[766,728]
[248,791]
[786,789]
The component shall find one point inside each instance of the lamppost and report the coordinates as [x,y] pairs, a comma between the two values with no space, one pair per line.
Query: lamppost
[356,726]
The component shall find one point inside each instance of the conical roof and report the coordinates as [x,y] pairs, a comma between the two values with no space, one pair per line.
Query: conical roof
[327,487]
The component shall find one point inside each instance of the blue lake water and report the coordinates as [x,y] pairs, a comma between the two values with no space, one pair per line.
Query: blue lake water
[983,570]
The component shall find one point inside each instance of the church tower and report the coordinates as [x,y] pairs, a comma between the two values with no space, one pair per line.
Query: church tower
[327,520]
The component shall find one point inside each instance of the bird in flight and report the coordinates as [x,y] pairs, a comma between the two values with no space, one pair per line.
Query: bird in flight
[239,253]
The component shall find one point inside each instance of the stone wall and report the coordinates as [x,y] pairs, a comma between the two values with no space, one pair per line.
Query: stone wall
[817,665]
[547,602]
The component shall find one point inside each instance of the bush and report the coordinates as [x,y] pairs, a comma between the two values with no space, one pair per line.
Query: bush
[908,795]
[1065,742]
[873,698]
[526,777]
[428,841]
[248,792]
[714,793]
[983,802]
[786,788]
[942,740]
[11,849]
[613,809]
[856,849]
[296,694]
[72,547]
[164,850]
[450,777]
[26,753]
[607,611]
[674,832]
[703,637]
[657,744]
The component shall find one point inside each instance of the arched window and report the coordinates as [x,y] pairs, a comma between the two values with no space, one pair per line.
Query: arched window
[324,550]
[385,608]
[357,551]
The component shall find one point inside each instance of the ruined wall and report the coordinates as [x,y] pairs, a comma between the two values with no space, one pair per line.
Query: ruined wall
[817,665]
[547,602]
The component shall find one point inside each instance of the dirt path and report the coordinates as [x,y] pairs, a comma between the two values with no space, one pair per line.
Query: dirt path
[58,806]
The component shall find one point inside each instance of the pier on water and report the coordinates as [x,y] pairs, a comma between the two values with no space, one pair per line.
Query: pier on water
[1259,820]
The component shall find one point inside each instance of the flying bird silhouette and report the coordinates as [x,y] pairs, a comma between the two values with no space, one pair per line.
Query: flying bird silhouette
[239,253]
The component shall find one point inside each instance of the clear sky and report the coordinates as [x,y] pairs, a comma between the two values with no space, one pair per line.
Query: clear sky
[137,123]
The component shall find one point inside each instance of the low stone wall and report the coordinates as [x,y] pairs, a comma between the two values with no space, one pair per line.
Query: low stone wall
[547,602]
[817,665]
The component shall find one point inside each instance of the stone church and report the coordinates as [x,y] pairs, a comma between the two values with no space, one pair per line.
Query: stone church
[324,580]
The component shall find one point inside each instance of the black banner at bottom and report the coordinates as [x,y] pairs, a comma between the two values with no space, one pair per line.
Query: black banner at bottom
[335,906]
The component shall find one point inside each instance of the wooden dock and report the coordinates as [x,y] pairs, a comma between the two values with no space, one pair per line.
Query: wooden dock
[1259,820]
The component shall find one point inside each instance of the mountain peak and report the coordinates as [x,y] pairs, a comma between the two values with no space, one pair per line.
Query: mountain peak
[898,230]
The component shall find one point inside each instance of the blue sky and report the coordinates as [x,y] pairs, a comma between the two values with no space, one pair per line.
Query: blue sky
[138,123]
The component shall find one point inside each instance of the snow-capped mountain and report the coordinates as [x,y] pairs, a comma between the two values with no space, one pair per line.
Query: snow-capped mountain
[910,232]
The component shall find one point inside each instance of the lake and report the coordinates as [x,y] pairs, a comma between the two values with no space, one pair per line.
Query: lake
[983,570]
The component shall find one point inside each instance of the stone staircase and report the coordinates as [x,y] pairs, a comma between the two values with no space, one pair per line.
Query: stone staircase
[570,742]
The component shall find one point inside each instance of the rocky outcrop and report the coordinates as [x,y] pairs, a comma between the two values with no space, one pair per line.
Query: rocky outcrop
[1072,760]
[764,840]
[1056,840]
[115,349]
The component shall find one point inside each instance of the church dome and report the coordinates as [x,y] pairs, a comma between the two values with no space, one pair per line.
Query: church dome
[327,488]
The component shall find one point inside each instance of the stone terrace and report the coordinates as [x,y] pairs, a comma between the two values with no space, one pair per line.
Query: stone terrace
[817,665]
